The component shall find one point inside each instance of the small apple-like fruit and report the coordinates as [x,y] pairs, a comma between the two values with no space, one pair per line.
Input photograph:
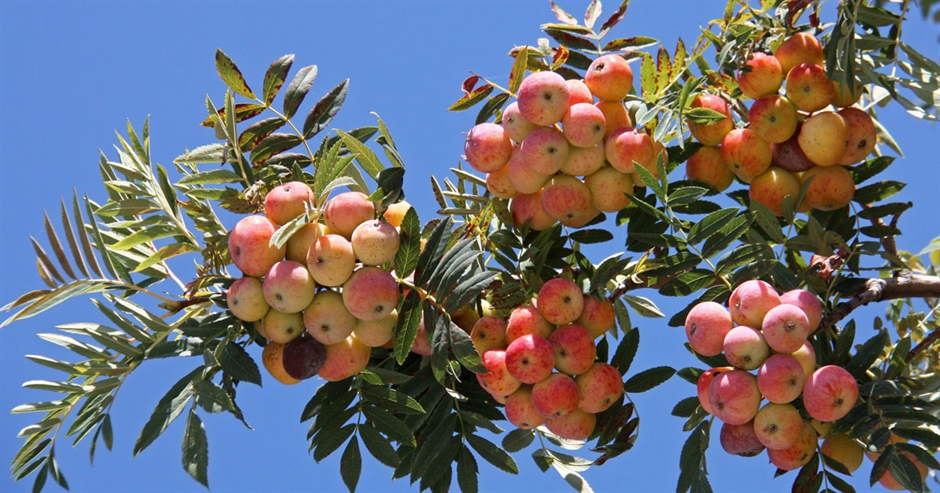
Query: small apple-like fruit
[489,332]
[798,454]
[376,333]
[609,78]
[245,299]
[421,345]
[544,150]
[750,301]
[808,87]
[734,397]
[300,242]
[520,411]
[523,177]
[889,482]
[771,187]
[303,357]
[862,135]
[370,293]
[842,97]
[395,213]
[774,118]
[797,49]
[498,381]
[615,116]
[786,328]
[347,210]
[287,201]
[781,378]
[806,355]
[526,319]
[745,348]
[555,395]
[831,188]
[248,244]
[576,425]
[597,316]
[527,208]
[567,198]
[272,357]
[327,319]
[608,188]
[823,138]
[487,147]
[288,286]
[711,134]
[514,124]
[560,301]
[761,76]
[806,301]
[530,358]
[375,242]
[574,349]
[331,260]
[498,183]
[543,98]
[345,359]
[704,381]
[707,165]
[778,426]
[844,450]
[830,393]
[283,327]
[745,153]
[789,156]
[740,440]
[578,92]
[627,146]
[584,125]
[706,326]
[599,388]
[583,161]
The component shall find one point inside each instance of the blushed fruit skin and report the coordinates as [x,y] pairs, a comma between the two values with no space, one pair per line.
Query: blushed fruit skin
[345,359]
[375,242]
[272,357]
[750,301]
[327,319]
[246,301]
[487,147]
[555,395]
[786,328]
[283,327]
[576,425]
[734,396]
[830,393]
[299,243]
[808,87]
[740,440]
[287,201]
[831,188]
[583,161]
[806,301]
[331,260]
[528,207]
[248,245]
[806,355]
[520,411]
[578,92]
[778,426]
[797,455]
[526,319]
[514,124]
[584,125]
[707,165]
[574,349]
[303,357]
[530,358]
[774,118]
[560,301]
[704,381]
[347,210]
[599,388]
[543,98]
[288,286]
[762,76]
[772,187]
[370,293]
[780,378]
[421,345]
[376,333]
[745,348]
[489,332]
[789,156]
[498,381]
[608,188]
[615,116]
[544,150]
[498,184]
[745,153]
[706,326]
[841,97]
[522,177]
[797,49]
[626,146]
[597,316]
[711,134]
[823,138]
[889,482]
[566,198]
[395,213]
[862,135]
[844,450]
[609,78]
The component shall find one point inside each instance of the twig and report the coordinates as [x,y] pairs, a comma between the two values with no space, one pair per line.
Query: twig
[923,345]
[904,285]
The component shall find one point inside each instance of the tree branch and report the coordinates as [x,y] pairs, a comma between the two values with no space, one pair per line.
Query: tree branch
[923,345]
[905,284]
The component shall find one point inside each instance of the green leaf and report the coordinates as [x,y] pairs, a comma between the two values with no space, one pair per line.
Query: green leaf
[493,454]
[472,98]
[239,364]
[867,354]
[643,306]
[367,159]
[230,74]
[626,350]
[591,236]
[877,191]
[211,153]
[635,43]
[258,131]
[409,318]
[331,440]
[518,70]
[298,88]
[212,398]
[518,439]
[171,405]
[647,177]
[56,296]
[387,397]
[647,379]
[196,449]
[213,177]
[692,460]
[467,471]
[378,446]
[406,259]
[275,76]
[387,423]
[273,144]
[710,224]
[570,40]
[326,108]
[350,465]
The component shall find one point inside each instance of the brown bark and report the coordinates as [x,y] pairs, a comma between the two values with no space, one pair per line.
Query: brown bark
[905,284]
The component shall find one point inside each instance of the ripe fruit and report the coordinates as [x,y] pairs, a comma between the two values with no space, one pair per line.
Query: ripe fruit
[487,147]
[574,349]
[287,201]
[527,319]
[347,210]
[522,177]
[555,395]
[560,301]
[375,242]
[609,78]
[498,381]
[530,358]
[543,98]
[370,293]
[288,286]
[745,348]
[299,243]
[345,359]
[543,151]
[608,187]
[862,135]
[489,332]
[772,187]
[706,326]
[567,198]
[514,124]
[745,153]
[841,97]
[808,87]
[704,381]
[303,357]
[327,319]
[249,248]
[272,357]
[584,125]
[576,425]
[615,116]
[781,378]
[626,146]
[583,161]
[830,393]
[789,156]
[597,316]
[823,138]
[520,411]
[711,134]
[797,49]
[599,388]
[376,333]
[786,328]
[774,118]
[778,426]
[395,213]
[527,208]
[797,455]
[498,184]
[806,355]
[331,260]
[283,327]
[750,301]
[734,397]
[844,450]
[707,166]
[578,92]
[806,301]
[740,439]
[761,76]
[246,301]
[831,188]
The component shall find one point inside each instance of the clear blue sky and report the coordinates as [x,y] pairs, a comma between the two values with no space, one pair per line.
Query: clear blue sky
[72,72]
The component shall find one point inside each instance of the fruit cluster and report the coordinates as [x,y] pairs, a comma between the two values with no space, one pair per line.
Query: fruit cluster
[789,137]
[767,332]
[572,172]
[541,360]
[326,296]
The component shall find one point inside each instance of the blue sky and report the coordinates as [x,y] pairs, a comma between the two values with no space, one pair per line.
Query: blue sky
[73,72]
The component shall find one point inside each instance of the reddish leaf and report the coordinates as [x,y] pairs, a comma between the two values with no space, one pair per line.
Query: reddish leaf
[795,8]
[243,111]
[469,83]
[592,13]
[614,19]
[562,15]
[560,57]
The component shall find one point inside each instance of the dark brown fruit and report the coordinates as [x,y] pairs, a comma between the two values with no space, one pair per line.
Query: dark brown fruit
[303,357]
[789,156]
